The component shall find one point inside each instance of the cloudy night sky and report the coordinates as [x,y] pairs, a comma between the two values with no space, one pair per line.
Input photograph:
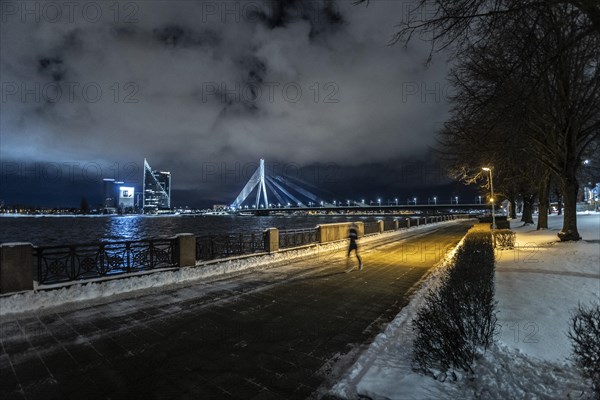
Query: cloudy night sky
[206,89]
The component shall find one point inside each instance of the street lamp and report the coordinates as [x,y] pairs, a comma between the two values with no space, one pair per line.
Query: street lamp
[379,201]
[479,199]
[492,195]
[396,200]
[415,200]
[456,198]
[435,200]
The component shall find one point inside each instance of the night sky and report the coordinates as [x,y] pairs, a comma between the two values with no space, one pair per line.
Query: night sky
[204,89]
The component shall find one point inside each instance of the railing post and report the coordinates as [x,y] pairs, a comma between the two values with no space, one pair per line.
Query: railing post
[128,252]
[381,227]
[396,224]
[185,254]
[16,267]
[71,262]
[408,222]
[272,240]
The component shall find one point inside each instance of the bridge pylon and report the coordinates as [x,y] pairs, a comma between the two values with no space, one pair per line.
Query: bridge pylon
[257,179]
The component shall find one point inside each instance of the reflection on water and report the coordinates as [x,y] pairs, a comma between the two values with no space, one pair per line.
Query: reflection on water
[123,228]
[62,230]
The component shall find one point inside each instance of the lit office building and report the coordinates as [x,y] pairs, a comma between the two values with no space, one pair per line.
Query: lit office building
[109,201]
[126,196]
[157,189]
[117,196]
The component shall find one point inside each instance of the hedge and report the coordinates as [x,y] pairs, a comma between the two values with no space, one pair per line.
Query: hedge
[458,321]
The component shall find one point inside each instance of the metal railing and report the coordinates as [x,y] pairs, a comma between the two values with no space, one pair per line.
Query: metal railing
[389,225]
[222,246]
[371,227]
[57,264]
[298,237]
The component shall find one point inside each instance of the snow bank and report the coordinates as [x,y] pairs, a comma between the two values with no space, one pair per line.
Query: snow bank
[538,284]
[43,299]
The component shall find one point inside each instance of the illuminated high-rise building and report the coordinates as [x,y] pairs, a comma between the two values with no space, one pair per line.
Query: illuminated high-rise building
[157,189]
[109,201]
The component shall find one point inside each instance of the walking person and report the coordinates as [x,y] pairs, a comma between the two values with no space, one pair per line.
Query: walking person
[353,236]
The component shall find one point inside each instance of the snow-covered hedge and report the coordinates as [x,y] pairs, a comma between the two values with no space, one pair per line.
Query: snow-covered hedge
[504,238]
[458,320]
[584,333]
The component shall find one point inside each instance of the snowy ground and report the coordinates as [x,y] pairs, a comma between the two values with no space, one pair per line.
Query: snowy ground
[77,294]
[538,285]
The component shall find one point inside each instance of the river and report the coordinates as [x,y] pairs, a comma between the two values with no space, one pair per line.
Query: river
[63,230]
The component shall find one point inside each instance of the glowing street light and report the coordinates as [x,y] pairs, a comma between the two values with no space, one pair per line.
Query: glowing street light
[489,169]
[434,200]
[379,201]
[415,200]
[396,200]
[456,198]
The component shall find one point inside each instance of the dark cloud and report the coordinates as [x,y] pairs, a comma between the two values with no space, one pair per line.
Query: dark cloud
[189,83]
[178,36]
[52,67]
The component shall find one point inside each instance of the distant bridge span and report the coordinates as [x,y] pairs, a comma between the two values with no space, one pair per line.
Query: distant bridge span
[422,208]
[288,192]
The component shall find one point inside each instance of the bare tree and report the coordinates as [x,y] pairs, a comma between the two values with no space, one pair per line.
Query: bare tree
[461,23]
[539,83]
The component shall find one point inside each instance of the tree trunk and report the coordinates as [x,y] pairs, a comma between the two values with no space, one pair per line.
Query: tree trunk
[558,202]
[513,208]
[544,204]
[569,188]
[527,216]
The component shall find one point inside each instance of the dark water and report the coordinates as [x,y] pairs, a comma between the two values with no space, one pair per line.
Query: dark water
[54,230]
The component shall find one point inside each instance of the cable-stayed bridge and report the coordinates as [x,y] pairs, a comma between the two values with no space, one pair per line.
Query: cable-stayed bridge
[263,194]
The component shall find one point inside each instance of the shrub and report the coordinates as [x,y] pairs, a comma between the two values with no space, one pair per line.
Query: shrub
[584,333]
[459,320]
[504,238]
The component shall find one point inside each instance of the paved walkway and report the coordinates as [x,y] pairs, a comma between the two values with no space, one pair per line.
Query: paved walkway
[270,334]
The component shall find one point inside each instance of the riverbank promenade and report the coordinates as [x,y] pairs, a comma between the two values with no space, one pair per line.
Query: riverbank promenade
[284,332]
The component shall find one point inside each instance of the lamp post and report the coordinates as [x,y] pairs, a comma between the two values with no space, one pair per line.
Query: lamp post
[492,194]
[435,200]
